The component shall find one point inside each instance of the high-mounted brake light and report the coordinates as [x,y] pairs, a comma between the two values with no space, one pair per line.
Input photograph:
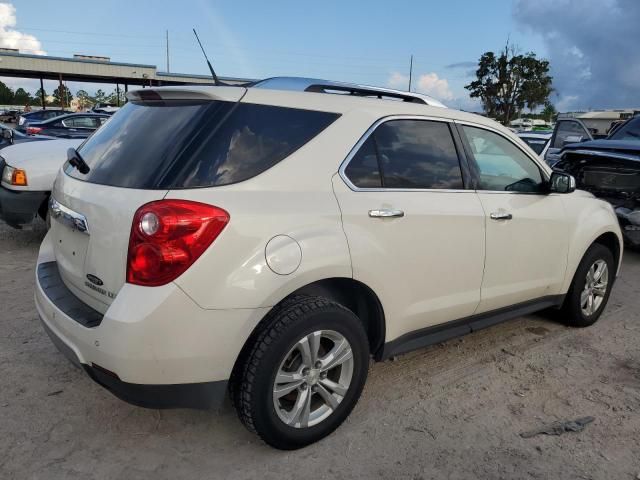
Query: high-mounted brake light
[33,130]
[167,236]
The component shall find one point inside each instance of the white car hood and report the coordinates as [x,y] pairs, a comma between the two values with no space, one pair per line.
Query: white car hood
[41,161]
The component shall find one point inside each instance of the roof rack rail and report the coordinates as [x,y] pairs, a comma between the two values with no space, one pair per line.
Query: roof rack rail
[342,88]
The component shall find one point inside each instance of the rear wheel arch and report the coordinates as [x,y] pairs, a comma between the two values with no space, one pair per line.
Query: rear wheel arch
[350,293]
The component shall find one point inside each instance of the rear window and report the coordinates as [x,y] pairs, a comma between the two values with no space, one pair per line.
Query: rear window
[194,144]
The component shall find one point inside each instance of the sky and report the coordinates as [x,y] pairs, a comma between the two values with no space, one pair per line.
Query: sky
[360,41]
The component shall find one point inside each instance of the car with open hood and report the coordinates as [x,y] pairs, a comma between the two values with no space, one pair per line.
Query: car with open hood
[608,168]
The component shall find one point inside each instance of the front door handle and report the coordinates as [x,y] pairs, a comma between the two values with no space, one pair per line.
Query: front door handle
[385,213]
[501,216]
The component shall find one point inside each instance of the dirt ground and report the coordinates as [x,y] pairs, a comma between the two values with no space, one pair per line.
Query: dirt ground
[454,410]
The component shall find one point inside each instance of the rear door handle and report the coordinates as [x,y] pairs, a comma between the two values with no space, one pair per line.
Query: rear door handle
[501,216]
[385,213]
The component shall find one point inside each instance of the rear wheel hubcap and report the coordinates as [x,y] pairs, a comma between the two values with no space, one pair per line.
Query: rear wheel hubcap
[313,378]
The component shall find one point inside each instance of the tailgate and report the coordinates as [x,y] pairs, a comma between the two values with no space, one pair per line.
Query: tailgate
[90,227]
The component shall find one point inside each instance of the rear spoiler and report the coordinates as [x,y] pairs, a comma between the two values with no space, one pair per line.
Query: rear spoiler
[205,93]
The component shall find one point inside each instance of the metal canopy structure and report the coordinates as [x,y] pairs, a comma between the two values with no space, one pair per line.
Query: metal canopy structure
[97,71]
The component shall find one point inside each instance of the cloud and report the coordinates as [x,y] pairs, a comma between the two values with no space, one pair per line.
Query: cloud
[592,49]
[464,65]
[428,83]
[10,38]
[435,86]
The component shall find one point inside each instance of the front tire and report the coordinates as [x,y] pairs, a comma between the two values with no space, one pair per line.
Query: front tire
[304,372]
[590,288]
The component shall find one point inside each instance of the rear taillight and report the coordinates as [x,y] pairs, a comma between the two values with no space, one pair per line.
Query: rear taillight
[167,236]
[33,130]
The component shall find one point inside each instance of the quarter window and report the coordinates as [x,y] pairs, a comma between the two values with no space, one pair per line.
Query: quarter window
[407,154]
[501,165]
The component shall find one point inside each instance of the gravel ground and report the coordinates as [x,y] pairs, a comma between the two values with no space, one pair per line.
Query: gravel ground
[454,410]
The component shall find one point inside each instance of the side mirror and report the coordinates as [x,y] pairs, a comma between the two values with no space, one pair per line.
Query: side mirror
[561,182]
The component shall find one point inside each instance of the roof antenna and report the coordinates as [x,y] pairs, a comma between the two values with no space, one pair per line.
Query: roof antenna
[213,73]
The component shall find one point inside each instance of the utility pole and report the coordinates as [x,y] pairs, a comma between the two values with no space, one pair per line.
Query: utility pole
[410,71]
[167,51]
[44,104]
[61,92]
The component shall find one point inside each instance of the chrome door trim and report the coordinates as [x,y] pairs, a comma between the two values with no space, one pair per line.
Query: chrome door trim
[74,220]
[365,137]
[385,213]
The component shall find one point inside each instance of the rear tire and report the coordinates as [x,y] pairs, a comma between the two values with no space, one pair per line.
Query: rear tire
[590,288]
[317,352]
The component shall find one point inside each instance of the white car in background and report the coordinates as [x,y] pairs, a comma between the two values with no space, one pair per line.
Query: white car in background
[269,242]
[537,141]
[28,172]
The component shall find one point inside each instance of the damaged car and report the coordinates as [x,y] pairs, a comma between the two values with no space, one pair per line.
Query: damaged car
[610,169]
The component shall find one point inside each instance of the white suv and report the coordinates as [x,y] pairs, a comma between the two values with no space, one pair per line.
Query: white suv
[267,242]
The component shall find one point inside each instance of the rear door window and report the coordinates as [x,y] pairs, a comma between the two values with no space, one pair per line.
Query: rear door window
[363,170]
[418,154]
[81,122]
[407,154]
[177,144]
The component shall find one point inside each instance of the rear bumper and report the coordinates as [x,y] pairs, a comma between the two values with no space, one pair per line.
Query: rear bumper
[188,395]
[153,346]
[20,207]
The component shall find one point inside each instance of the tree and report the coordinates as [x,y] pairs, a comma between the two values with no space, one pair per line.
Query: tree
[84,99]
[6,95]
[113,98]
[549,112]
[37,98]
[62,96]
[100,96]
[508,82]
[22,97]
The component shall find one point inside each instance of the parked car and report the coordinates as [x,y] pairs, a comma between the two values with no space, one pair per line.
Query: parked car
[10,136]
[538,141]
[609,169]
[74,125]
[573,130]
[37,116]
[270,240]
[108,108]
[9,116]
[28,171]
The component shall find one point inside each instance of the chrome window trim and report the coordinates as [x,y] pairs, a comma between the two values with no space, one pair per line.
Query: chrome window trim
[365,137]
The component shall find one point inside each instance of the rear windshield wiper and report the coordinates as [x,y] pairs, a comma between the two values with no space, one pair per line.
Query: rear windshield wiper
[75,160]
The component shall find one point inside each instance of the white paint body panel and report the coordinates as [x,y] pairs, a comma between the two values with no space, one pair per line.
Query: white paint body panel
[41,160]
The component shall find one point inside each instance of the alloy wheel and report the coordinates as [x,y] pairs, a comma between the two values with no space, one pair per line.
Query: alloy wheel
[595,287]
[313,378]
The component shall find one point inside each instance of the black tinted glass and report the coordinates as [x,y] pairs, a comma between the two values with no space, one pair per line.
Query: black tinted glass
[184,145]
[418,154]
[363,170]
[628,131]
